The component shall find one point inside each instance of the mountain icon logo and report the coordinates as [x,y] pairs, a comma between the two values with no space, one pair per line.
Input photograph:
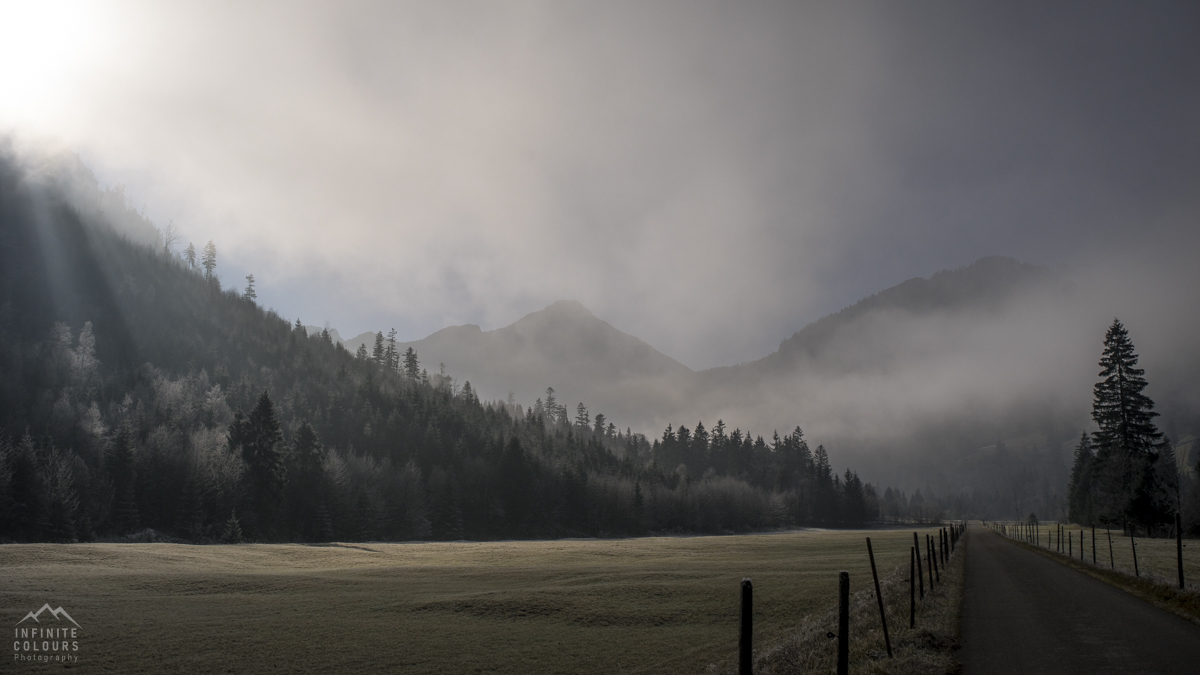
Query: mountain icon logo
[56,613]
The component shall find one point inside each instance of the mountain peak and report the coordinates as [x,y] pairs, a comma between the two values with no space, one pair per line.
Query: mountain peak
[986,286]
[572,308]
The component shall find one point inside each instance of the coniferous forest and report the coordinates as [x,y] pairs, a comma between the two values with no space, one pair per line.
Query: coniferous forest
[143,397]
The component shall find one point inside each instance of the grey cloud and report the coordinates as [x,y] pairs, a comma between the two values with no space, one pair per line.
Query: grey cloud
[708,177]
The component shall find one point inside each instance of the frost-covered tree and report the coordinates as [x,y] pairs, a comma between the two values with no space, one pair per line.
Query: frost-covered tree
[209,260]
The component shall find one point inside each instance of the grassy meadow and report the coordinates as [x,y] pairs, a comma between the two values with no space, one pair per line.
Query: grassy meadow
[1155,557]
[658,604]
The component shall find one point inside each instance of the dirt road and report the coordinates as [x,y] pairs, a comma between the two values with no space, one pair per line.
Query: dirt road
[1024,613]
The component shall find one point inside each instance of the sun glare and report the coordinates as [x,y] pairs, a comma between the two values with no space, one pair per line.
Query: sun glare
[45,47]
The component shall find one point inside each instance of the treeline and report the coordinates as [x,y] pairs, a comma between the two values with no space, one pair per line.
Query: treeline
[138,393]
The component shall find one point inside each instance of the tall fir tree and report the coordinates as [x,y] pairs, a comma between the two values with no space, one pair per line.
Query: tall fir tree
[1127,441]
[378,354]
[259,438]
[412,367]
[1124,414]
[391,359]
[1080,499]
[307,490]
[209,260]
[125,515]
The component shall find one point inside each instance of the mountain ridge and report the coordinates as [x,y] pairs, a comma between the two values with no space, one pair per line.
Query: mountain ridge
[586,359]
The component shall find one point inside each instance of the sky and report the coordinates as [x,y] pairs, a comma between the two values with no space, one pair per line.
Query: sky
[709,177]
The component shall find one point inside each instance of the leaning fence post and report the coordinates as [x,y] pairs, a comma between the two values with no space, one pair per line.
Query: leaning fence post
[887,640]
[843,664]
[1111,561]
[1178,547]
[912,588]
[746,635]
[920,572]
[1133,545]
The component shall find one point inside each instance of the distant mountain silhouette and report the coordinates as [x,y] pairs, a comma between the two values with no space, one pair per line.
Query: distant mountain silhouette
[562,346]
[586,359]
[316,330]
[988,286]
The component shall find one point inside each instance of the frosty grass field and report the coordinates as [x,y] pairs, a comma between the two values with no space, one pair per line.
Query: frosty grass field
[658,604]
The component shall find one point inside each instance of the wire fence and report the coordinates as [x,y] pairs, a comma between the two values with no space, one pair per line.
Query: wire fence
[928,557]
[1172,561]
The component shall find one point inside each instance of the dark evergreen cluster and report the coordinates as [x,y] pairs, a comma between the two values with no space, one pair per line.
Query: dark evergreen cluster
[139,394]
[1125,473]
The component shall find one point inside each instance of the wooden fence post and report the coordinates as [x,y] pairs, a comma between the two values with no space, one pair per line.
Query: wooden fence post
[1111,561]
[1133,545]
[1093,544]
[887,640]
[912,588]
[746,634]
[920,572]
[1179,546]
[843,663]
[932,561]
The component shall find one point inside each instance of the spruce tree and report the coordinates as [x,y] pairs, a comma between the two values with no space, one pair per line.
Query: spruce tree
[551,407]
[1080,503]
[306,490]
[259,438]
[411,365]
[378,354]
[209,260]
[232,533]
[1124,414]
[391,359]
[308,451]
[125,517]
[1127,440]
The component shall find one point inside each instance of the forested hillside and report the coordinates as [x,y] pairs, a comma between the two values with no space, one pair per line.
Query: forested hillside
[139,391]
